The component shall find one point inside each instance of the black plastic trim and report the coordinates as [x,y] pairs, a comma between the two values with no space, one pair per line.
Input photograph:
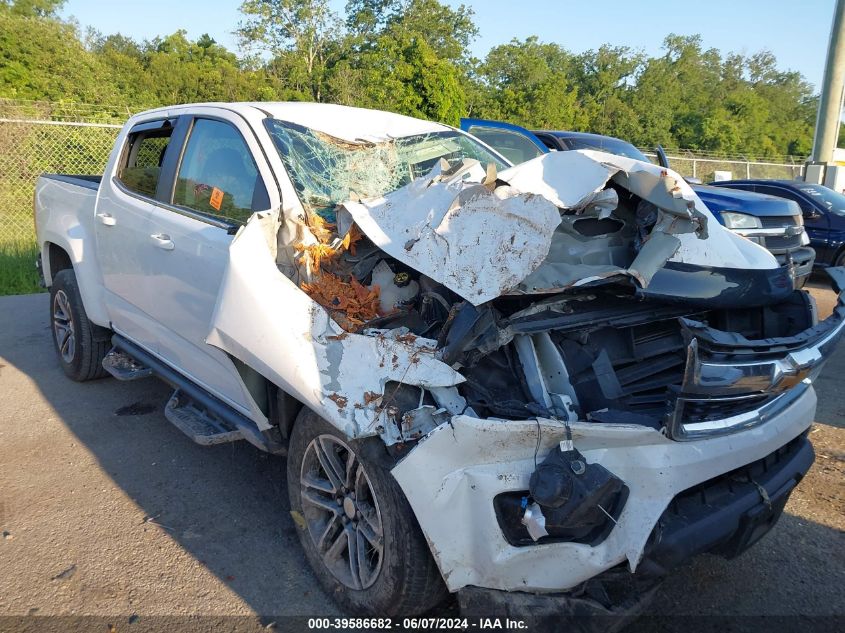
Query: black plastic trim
[80,180]
[604,604]
[508,514]
[729,513]
[172,159]
[216,406]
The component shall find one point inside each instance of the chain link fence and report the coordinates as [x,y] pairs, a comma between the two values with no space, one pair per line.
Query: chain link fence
[704,167]
[38,137]
[30,148]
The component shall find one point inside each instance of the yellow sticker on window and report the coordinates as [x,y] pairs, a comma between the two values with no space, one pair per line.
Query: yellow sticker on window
[216,200]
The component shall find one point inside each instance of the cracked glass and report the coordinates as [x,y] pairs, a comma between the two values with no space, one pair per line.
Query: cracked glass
[327,171]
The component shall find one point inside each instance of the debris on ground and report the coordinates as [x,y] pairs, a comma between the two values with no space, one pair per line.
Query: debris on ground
[152,519]
[67,574]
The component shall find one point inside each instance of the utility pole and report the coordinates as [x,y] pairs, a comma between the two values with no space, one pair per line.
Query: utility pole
[820,168]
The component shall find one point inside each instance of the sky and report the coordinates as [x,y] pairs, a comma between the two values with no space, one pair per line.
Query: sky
[796,32]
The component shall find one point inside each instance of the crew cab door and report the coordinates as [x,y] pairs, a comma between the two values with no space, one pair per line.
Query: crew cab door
[512,141]
[125,203]
[213,188]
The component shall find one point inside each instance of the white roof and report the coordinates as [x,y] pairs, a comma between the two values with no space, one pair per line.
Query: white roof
[350,123]
[344,122]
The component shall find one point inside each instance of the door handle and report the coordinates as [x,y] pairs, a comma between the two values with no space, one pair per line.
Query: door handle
[107,219]
[163,241]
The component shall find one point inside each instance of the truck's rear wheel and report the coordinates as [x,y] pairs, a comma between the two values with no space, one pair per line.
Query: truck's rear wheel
[356,527]
[80,345]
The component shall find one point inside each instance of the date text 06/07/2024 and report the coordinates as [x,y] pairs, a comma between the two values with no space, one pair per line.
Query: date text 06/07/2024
[435,624]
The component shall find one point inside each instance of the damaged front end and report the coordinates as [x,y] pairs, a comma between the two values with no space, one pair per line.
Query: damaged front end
[551,352]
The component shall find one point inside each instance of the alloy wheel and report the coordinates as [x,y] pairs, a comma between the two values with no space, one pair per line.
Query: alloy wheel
[341,512]
[63,326]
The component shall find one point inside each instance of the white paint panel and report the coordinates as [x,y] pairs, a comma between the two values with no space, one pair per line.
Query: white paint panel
[454,473]
[460,233]
[265,320]
[350,124]
[563,178]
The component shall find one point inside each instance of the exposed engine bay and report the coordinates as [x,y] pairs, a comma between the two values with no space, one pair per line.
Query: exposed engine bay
[615,356]
[578,286]
[611,346]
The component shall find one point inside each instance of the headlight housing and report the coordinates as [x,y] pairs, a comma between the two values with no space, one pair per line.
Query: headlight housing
[736,220]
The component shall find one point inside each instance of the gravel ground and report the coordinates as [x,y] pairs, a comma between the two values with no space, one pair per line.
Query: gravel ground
[106,509]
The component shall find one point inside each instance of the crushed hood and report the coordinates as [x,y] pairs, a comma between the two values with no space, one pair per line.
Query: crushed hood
[483,234]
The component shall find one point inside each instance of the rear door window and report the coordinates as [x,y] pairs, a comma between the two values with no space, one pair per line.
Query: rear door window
[217,175]
[143,155]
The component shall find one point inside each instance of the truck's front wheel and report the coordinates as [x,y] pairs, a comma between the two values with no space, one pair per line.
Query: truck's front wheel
[80,344]
[356,527]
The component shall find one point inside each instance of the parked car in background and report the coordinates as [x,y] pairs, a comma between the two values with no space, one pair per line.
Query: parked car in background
[772,222]
[823,210]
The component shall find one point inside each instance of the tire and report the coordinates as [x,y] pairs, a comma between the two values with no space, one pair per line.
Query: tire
[80,344]
[840,259]
[401,579]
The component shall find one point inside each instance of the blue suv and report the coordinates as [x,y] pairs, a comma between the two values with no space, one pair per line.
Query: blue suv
[823,210]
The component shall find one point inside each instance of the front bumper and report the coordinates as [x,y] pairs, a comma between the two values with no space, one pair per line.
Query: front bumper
[723,516]
[454,473]
[605,604]
[728,514]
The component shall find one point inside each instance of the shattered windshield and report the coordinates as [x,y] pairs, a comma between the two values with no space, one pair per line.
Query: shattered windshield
[327,171]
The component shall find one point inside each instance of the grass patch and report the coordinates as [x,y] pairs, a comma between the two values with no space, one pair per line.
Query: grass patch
[18,275]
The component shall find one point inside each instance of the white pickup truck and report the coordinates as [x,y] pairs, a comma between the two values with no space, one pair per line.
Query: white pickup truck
[541,387]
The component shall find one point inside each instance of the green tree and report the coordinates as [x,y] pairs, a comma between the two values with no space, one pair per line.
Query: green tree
[412,56]
[447,31]
[33,8]
[301,32]
[406,56]
[530,83]
[605,79]
[44,59]
[402,73]
[366,17]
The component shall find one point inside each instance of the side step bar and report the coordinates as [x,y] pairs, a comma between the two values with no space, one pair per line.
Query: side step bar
[197,423]
[201,400]
[124,367]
